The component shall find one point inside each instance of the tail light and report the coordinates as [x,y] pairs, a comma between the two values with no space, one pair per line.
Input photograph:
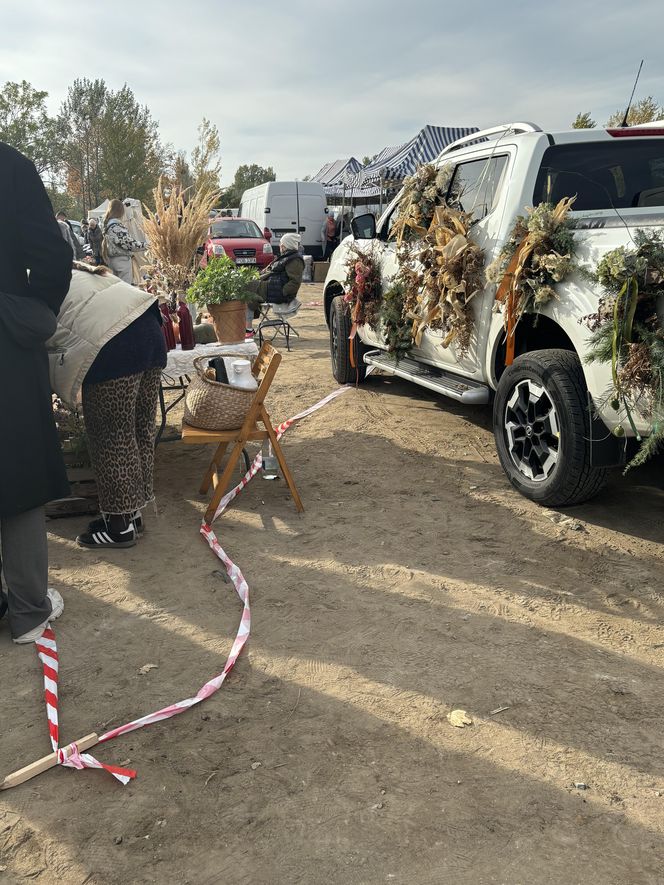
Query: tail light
[631,131]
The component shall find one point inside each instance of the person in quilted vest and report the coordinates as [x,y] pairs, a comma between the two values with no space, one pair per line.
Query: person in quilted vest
[280,282]
[109,349]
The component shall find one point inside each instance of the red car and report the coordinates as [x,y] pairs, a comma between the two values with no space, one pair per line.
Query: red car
[240,239]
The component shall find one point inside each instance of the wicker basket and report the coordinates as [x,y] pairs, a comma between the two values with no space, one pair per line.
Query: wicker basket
[211,405]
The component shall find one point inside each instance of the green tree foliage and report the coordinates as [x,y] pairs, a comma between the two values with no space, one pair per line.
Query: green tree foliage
[366,160]
[109,144]
[80,130]
[205,163]
[181,176]
[26,125]
[246,177]
[644,111]
[132,157]
[61,199]
[584,121]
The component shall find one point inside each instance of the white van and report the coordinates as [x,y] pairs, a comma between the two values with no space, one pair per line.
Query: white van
[288,207]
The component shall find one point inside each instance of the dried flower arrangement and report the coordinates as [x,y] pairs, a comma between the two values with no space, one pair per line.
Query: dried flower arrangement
[363,286]
[628,332]
[440,269]
[537,255]
[395,327]
[174,231]
[422,193]
[443,273]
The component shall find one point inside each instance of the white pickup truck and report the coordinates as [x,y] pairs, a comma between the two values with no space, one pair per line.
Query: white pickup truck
[552,412]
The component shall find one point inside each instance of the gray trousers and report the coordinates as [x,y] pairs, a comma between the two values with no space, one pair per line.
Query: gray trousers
[25,568]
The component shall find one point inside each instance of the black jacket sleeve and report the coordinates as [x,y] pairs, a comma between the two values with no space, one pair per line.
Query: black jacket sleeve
[41,245]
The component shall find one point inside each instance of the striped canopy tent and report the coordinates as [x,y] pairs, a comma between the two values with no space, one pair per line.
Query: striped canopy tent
[332,175]
[392,165]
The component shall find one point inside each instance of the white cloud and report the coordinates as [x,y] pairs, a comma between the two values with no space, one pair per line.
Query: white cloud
[296,85]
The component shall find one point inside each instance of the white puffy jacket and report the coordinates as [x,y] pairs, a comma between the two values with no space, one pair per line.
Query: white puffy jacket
[96,308]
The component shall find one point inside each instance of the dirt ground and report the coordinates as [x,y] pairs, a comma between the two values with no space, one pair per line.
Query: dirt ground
[416,582]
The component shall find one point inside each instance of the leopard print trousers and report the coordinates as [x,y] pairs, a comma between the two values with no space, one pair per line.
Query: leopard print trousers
[120,423]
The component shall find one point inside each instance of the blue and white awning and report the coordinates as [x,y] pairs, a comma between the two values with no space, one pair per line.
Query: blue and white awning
[332,175]
[394,164]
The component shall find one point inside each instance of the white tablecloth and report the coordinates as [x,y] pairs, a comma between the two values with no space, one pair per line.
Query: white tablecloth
[181,362]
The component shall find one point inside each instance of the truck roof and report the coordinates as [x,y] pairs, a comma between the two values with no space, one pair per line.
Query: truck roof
[524,129]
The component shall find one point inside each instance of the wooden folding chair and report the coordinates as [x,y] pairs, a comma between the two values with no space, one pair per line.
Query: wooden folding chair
[264,369]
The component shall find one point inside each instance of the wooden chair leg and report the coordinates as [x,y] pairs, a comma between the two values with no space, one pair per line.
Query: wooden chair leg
[213,468]
[224,480]
[288,476]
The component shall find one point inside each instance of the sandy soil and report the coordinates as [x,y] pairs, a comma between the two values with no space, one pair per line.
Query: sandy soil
[416,582]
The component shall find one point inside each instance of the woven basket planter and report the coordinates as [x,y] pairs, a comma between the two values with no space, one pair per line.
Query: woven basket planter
[211,405]
[229,320]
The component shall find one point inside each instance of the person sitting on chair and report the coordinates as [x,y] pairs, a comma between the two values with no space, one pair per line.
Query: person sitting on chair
[279,283]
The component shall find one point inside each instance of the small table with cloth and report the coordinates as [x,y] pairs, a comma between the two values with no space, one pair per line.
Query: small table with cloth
[180,367]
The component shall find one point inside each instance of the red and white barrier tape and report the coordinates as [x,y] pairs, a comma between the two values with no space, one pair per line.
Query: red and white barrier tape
[48,652]
[69,757]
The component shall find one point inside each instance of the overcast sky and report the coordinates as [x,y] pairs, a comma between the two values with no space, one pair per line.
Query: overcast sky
[297,84]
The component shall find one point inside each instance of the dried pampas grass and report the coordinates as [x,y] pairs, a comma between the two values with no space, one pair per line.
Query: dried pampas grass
[178,226]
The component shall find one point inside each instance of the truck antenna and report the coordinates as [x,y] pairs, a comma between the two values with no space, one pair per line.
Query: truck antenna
[624,123]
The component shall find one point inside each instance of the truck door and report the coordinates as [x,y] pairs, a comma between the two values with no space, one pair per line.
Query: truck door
[385,250]
[476,188]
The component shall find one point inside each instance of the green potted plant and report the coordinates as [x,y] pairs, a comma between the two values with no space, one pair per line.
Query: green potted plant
[225,289]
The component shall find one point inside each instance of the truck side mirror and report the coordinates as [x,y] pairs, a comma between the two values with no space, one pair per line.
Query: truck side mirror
[364,227]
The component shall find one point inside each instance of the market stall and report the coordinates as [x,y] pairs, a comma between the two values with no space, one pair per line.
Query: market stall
[393,164]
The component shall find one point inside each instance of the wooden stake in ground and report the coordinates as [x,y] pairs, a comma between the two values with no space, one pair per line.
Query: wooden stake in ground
[46,762]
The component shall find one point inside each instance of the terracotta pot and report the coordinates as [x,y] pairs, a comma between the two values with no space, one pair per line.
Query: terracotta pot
[229,321]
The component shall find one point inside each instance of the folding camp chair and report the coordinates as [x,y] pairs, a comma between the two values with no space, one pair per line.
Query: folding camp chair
[264,369]
[277,317]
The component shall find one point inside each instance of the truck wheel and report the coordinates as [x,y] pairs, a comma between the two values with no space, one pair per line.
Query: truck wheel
[541,424]
[340,345]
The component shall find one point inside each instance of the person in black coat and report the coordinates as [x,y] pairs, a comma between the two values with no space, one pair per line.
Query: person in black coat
[32,471]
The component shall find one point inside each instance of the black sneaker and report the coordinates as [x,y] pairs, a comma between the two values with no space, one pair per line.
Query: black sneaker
[106,538]
[100,524]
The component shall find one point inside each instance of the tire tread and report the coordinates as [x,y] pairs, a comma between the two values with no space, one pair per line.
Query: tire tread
[342,370]
[581,480]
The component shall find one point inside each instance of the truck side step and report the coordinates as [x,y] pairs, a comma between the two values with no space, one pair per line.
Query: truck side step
[462,389]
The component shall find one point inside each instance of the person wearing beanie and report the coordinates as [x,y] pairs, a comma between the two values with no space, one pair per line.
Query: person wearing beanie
[280,282]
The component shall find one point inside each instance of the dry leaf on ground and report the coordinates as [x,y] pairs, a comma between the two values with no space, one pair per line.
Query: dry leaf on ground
[459,718]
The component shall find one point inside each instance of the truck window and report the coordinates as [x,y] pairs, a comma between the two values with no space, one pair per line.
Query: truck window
[620,173]
[475,185]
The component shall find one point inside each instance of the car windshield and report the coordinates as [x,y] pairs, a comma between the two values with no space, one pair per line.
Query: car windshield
[621,173]
[235,230]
